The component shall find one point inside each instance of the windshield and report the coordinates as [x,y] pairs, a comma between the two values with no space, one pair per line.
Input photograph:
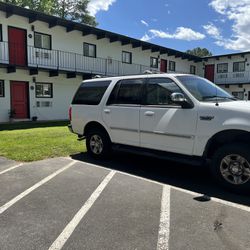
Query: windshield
[204,90]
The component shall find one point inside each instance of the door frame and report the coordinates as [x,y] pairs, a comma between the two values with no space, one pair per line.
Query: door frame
[28,97]
[205,71]
[25,41]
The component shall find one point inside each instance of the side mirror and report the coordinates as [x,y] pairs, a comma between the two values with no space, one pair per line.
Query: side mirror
[179,99]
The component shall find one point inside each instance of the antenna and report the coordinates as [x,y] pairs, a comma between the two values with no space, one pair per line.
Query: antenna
[216,94]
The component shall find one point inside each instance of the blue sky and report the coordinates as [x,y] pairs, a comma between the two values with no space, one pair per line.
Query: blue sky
[222,26]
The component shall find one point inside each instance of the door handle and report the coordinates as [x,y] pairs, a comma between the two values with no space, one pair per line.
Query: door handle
[149,113]
[107,111]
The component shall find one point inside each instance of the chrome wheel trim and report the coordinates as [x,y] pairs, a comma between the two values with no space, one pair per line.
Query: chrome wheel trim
[235,169]
[96,144]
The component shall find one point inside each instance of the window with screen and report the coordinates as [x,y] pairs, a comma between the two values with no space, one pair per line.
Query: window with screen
[44,90]
[1,88]
[239,66]
[89,50]
[42,41]
[192,69]
[153,62]
[159,90]
[126,57]
[171,66]
[222,68]
[91,93]
[1,33]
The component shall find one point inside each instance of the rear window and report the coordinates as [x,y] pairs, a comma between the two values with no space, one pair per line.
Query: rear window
[90,93]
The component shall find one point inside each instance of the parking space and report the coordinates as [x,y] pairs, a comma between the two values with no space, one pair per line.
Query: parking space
[126,203]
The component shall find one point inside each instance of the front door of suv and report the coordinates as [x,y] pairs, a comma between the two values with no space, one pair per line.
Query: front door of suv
[163,125]
[122,112]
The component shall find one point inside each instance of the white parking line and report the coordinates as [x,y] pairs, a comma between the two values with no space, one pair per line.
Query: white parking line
[69,229]
[163,235]
[224,202]
[29,190]
[11,168]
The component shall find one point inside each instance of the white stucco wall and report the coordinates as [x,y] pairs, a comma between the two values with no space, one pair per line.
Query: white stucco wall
[63,91]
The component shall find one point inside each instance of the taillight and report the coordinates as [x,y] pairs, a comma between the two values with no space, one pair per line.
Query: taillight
[70,113]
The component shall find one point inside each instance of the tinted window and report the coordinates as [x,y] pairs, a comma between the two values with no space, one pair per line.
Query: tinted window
[91,93]
[159,90]
[127,91]
[1,33]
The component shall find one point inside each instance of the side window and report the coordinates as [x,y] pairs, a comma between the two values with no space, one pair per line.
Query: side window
[90,93]
[127,91]
[159,90]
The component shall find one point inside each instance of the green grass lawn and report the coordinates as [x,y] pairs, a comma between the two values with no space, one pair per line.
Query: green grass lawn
[36,141]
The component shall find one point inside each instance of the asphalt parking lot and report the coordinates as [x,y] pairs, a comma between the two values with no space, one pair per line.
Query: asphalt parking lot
[129,202]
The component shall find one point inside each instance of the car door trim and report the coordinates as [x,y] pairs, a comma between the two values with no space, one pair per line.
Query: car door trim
[168,134]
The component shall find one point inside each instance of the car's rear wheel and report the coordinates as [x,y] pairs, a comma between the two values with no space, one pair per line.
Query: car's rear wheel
[98,143]
[231,166]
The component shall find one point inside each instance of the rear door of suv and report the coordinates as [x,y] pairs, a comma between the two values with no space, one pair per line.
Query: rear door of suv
[121,113]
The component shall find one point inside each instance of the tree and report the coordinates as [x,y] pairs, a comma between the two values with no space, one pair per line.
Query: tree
[201,52]
[73,10]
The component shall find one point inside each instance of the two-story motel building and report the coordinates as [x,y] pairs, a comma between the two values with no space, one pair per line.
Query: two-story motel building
[43,59]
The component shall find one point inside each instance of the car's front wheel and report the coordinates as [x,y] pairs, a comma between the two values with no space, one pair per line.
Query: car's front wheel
[98,143]
[231,166]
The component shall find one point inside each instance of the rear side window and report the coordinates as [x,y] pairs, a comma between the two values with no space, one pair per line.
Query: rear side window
[127,91]
[90,93]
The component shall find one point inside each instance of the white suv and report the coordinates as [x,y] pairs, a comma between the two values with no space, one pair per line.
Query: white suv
[176,116]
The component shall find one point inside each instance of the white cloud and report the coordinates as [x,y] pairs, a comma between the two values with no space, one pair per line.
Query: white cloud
[95,6]
[181,33]
[144,23]
[145,38]
[212,30]
[238,12]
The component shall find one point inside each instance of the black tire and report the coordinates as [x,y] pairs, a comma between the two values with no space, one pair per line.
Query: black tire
[104,143]
[230,167]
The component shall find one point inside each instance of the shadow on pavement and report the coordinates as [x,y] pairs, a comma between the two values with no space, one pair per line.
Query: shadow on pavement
[192,178]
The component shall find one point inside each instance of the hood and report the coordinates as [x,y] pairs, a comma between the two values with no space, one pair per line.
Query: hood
[236,105]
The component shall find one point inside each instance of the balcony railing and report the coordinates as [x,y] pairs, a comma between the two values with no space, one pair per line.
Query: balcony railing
[67,61]
[232,77]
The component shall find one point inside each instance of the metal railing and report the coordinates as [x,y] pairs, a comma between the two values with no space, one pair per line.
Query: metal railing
[67,61]
[232,77]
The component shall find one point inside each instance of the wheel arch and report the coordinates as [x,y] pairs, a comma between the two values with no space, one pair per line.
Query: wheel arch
[95,125]
[225,137]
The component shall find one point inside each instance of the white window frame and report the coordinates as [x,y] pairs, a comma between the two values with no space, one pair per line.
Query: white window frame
[43,95]
[86,50]
[238,63]
[222,68]
[1,88]
[127,57]
[172,66]
[42,37]
[154,62]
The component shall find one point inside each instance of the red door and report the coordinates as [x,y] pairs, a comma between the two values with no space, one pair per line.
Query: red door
[209,72]
[163,65]
[19,99]
[17,46]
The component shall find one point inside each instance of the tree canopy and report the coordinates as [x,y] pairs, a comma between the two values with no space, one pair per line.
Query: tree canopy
[74,10]
[201,52]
